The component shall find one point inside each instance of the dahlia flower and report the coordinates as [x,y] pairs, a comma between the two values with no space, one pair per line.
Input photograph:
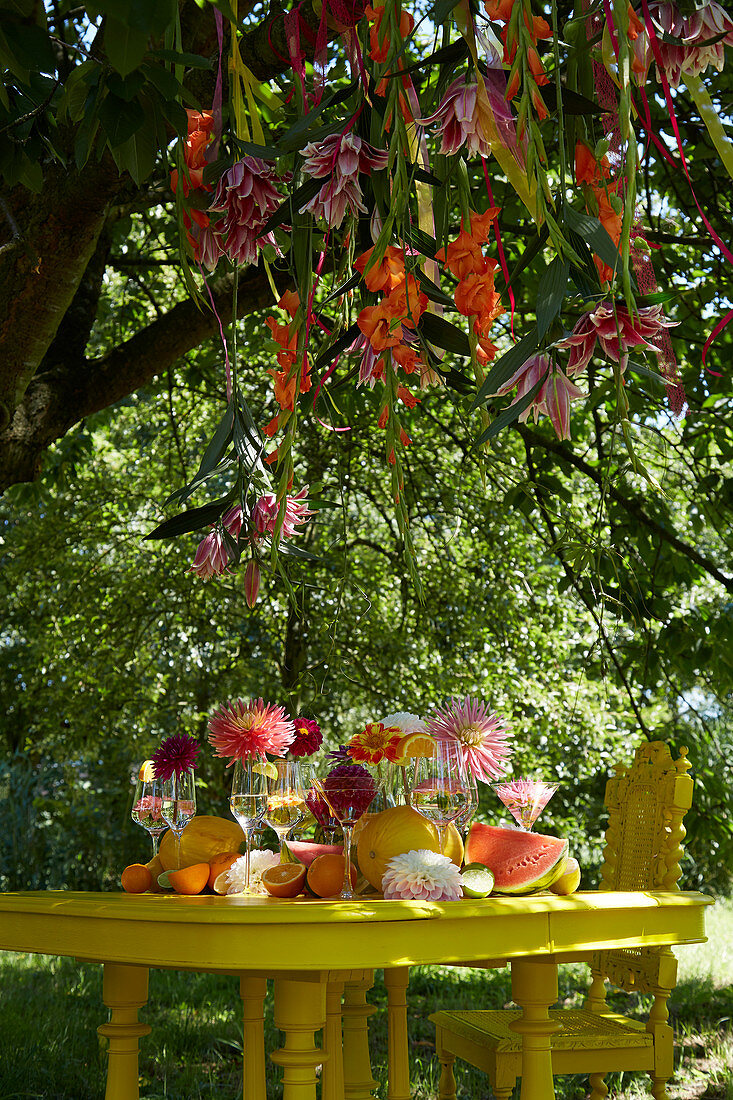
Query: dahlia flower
[175,755]
[422,876]
[708,21]
[404,722]
[460,121]
[349,790]
[247,197]
[259,860]
[616,331]
[339,755]
[265,513]
[240,731]
[308,737]
[482,735]
[339,158]
[525,799]
[375,743]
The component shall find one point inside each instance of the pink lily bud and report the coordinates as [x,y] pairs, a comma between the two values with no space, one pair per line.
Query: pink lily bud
[251,582]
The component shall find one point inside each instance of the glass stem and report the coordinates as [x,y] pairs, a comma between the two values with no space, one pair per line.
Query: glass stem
[441,831]
[247,849]
[156,840]
[347,892]
[178,850]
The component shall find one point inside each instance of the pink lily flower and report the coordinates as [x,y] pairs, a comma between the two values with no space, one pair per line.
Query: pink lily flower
[460,121]
[616,331]
[553,397]
[211,557]
[339,158]
[708,21]
[247,196]
[265,512]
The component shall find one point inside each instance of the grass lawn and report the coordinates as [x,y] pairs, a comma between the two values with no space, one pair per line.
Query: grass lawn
[50,1010]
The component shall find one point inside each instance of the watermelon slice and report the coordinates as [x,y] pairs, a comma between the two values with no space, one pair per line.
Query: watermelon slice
[305,851]
[521,861]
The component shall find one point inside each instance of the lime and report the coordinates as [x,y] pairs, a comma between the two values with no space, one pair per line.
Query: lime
[164,881]
[265,767]
[478,880]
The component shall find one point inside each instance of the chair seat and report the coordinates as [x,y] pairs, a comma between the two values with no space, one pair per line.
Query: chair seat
[581,1030]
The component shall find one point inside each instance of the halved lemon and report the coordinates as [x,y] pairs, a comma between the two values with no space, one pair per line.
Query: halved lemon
[414,745]
[265,767]
[147,771]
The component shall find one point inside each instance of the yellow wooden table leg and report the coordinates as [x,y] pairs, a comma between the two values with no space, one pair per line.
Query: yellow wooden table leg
[300,1010]
[332,1079]
[252,991]
[358,1080]
[124,991]
[398,1054]
[534,988]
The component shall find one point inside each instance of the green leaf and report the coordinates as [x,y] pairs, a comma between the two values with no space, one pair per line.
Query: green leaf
[551,294]
[591,230]
[211,458]
[76,90]
[124,46]
[120,120]
[435,293]
[299,198]
[188,60]
[192,520]
[30,49]
[443,334]
[137,154]
[504,368]
[329,353]
[510,413]
[572,102]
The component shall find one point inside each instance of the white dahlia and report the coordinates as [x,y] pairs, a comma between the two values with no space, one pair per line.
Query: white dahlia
[405,722]
[259,861]
[422,876]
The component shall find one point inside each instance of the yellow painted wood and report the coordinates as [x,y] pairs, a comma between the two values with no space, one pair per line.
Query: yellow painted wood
[398,1056]
[124,991]
[358,1080]
[252,991]
[300,1011]
[534,989]
[332,1078]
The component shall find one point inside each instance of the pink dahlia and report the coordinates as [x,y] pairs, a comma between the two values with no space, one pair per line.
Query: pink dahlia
[422,876]
[308,737]
[176,755]
[482,735]
[247,197]
[616,331]
[265,512]
[460,121]
[339,159]
[240,731]
[699,33]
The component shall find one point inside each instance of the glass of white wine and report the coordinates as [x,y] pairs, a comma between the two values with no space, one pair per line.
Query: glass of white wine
[286,806]
[248,800]
[147,806]
[179,804]
[441,790]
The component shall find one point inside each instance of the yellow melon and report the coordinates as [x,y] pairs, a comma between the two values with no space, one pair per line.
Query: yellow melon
[201,840]
[397,830]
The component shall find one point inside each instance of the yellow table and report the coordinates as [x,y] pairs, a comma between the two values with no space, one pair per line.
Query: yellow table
[254,938]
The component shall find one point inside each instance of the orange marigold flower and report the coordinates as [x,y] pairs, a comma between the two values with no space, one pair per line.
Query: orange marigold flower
[387,274]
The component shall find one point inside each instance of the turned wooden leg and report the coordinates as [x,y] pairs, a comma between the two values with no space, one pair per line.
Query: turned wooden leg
[300,1010]
[252,992]
[447,1083]
[332,1079]
[659,1088]
[398,1052]
[358,1080]
[599,1090]
[124,991]
[534,988]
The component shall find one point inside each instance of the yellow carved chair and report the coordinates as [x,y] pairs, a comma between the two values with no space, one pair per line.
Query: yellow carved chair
[646,804]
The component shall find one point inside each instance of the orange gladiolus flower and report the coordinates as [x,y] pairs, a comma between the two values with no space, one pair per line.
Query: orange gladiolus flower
[407,358]
[379,41]
[499,10]
[407,397]
[406,302]
[290,302]
[387,274]
[475,295]
[463,256]
[481,223]
[288,344]
[379,325]
[284,388]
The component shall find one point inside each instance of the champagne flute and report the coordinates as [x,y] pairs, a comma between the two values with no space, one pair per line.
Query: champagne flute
[441,789]
[285,798]
[179,804]
[348,796]
[147,806]
[248,801]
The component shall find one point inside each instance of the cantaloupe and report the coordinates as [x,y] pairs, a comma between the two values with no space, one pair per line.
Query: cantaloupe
[401,829]
[203,838]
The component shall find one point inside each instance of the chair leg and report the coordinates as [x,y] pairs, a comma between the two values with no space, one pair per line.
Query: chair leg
[447,1083]
[659,1088]
[503,1094]
[598,1086]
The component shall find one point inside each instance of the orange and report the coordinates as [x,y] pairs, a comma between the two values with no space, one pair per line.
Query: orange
[326,875]
[147,772]
[414,745]
[285,880]
[221,863]
[136,878]
[190,880]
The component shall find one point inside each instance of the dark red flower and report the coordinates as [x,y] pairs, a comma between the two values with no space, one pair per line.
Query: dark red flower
[308,737]
[350,790]
[176,754]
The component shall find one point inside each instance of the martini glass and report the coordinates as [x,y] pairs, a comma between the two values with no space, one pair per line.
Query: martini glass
[348,796]
[248,801]
[441,791]
[179,805]
[147,806]
[525,799]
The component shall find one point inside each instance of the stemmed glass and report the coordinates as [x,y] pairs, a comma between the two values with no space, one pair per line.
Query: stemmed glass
[307,818]
[441,788]
[464,819]
[179,804]
[348,797]
[525,799]
[285,798]
[147,807]
[248,801]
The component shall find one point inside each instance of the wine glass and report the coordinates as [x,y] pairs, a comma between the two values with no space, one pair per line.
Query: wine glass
[441,788]
[463,821]
[248,801]
[348,796]
[285,798]
[179,804]
[307,819]
[525,799]
[147,806]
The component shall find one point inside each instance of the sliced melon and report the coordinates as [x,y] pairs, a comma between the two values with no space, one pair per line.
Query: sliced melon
[522,862]
[305,851]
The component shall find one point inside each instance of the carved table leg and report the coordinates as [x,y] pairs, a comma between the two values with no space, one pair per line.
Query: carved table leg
[534,988]
[358,1080]
[398,1054]
[124,991]
[300,1010]
[332,1079]
[252,991]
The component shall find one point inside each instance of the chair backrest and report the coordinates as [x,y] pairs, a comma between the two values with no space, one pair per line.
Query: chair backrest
[646,804]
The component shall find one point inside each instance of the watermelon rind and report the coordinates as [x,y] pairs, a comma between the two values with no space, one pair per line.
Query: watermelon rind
[527,880]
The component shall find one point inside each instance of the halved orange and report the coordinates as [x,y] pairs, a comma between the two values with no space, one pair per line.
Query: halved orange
[284,880]
[190,880]
[414,745]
